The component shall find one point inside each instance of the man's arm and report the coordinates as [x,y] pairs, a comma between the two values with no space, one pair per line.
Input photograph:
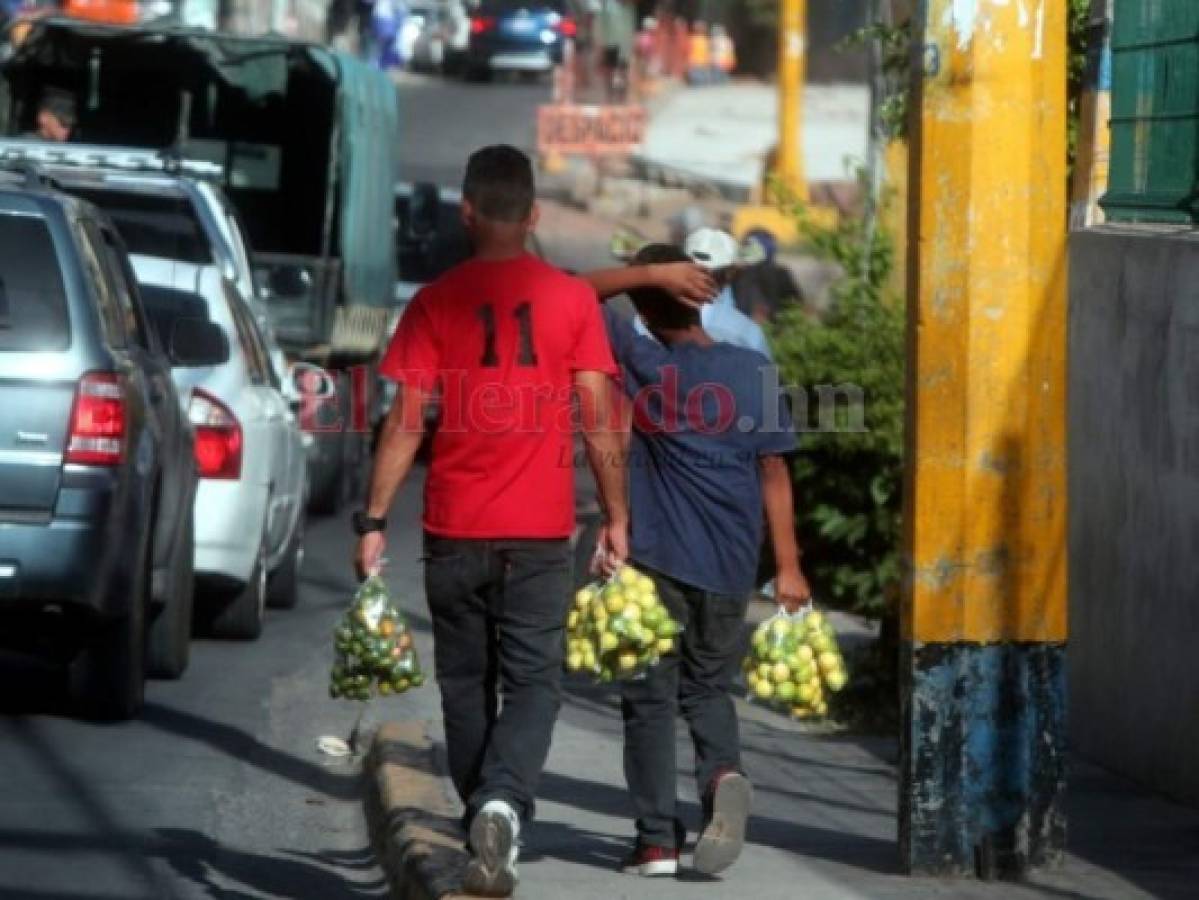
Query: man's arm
[399,441]
[603,435]
[791,587]
[690,283]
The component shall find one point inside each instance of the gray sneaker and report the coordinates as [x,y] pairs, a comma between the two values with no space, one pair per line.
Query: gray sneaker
[723,834]
[494,836]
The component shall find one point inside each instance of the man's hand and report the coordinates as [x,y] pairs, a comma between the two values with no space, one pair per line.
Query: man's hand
[791,589]
[612,549]
[368,559]
[688,282]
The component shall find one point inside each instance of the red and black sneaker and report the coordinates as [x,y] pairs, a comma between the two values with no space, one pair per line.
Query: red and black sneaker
[726,812]
[651,862]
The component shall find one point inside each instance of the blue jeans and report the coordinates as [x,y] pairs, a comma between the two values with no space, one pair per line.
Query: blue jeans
[697,682]
[499,612]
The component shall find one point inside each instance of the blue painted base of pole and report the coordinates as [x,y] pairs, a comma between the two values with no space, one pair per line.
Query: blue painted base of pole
[982,758]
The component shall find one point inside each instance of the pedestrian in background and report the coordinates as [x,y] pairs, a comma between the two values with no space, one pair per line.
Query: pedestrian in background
[763,287]
[618,27]
[698,497]
[387,21]
[499,502]
[724,54]
[699,55]
[56,116]
[717,251]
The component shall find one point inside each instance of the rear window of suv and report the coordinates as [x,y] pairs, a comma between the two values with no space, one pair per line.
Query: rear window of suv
[151,225]
[33,299]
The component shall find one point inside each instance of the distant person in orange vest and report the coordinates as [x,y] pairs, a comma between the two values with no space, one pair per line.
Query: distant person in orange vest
[699,55]
[724,54]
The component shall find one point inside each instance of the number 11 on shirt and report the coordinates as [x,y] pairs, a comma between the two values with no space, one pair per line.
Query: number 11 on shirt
[524,319]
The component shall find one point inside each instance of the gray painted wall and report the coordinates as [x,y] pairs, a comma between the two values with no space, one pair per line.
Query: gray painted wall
[1134,504]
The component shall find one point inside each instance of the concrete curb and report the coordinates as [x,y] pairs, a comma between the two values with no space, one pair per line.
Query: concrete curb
[412,821]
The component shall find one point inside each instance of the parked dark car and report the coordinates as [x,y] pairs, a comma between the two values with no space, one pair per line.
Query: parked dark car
[517,36]
[97,473]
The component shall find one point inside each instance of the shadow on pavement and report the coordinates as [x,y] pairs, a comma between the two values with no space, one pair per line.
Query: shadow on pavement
[834,845]
[203,861]
[248,749]
[30,685]
[1142,837]
[192,854]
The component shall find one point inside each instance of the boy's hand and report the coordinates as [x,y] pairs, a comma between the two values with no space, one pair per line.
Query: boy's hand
[791,589]
[611,550]
[368,559]
[688,282]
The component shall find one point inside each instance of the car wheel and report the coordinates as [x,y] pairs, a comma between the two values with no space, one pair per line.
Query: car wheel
[242,617]
[169,649]
[283,586]
[107,679]
[478,72]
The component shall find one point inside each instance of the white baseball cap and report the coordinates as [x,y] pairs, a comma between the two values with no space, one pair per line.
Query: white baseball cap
[712,248]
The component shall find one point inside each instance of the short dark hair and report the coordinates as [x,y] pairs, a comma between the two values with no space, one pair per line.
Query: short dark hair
[660,310]
[60,104]
[499,184]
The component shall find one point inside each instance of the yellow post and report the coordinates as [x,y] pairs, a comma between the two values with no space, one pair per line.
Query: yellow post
[984,610]
[789,166]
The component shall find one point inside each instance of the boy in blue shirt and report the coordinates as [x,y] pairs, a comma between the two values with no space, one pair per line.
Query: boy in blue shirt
[706,462]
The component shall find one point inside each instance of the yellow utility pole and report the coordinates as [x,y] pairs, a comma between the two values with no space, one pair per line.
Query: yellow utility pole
[984,611]
[789,164]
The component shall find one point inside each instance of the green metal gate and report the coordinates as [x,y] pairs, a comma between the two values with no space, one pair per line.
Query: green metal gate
[1155,112]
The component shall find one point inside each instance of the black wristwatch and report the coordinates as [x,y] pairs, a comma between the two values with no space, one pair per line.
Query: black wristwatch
[364,524]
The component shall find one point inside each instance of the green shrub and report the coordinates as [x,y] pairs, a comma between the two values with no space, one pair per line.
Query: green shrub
[848,482]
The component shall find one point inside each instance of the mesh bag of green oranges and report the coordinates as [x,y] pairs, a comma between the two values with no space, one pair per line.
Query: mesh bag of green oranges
[794,663]
[374,650]
[618,628]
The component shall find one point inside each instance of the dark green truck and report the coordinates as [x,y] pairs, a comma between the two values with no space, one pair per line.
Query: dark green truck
[305,139]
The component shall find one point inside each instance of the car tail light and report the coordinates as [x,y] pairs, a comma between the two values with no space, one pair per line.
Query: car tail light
[481,24]
[218,437]
[97,436]
[568,28]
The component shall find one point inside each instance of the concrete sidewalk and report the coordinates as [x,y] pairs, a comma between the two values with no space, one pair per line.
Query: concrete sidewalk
[825,816]
[720,135]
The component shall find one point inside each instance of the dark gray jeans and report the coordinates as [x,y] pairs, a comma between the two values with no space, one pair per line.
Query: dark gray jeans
[499,611]
[696,681]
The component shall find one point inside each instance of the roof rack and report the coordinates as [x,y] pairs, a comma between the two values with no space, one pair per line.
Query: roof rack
[99,156]
[35,177]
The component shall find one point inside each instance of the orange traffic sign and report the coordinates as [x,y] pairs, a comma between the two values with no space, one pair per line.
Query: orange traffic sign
[590,130]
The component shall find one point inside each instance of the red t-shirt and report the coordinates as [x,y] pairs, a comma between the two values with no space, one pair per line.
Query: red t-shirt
[500,341]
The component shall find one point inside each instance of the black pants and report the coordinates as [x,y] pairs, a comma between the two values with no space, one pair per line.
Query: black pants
[499,611]
[696,681]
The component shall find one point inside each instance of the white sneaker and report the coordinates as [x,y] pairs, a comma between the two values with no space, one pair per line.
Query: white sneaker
[494,836]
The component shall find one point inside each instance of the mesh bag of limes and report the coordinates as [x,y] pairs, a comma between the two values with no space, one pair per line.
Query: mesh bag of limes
[618,628]
[374,650]
[794,663]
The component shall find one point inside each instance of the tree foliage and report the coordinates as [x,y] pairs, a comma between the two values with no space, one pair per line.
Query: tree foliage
[848,482]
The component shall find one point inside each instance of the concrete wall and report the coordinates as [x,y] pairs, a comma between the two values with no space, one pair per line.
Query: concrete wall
[1134,504]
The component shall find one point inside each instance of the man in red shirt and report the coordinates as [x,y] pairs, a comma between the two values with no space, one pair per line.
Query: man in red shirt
[506,342]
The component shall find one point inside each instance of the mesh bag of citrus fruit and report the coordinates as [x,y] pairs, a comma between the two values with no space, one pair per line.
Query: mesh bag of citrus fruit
[794,663]
[618,628]
[374,650]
